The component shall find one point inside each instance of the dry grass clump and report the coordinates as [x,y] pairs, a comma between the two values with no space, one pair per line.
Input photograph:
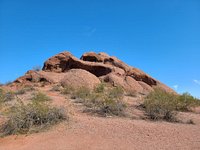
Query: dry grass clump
[161,105]
[1,96]
[6,96]
[67,90]
[32,117]
[56,88]
[40,97]
[24,90]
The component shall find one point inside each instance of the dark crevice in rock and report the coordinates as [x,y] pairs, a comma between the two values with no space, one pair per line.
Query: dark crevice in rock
[145,79]
[91,59]
[97,70]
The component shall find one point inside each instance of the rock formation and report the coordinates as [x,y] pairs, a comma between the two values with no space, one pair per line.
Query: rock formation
[90,70]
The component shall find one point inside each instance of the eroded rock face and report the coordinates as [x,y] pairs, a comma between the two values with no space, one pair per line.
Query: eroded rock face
[33,77]
[65,61]
[92,68]
[113,61]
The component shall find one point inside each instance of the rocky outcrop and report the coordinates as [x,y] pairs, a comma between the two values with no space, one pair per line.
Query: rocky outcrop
[33,77]
[65,61]
[90,69]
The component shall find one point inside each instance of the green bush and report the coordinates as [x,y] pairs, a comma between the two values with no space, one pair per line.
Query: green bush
[186,101]
[160,104]
[40,97]
[31,118]
[116,92]
[20,92]
[1,96]
[25,89]
[67,90]
[6,96]
[100,88]
[103,102]
[82,93]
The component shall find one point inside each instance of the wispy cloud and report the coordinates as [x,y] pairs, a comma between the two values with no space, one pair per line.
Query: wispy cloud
[175,87]
[197,81]
[89,31]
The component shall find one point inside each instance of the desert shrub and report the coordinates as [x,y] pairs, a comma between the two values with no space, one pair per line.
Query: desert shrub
[110,106]
[40,97]
[31,118]
[67,90]
[82,93]
[20,91]
[25,89]
[6,96]
[100,88]
[116,92]
[186,101]
[103,102]
[160,105]
[131,94]
[56,88]
[1,95]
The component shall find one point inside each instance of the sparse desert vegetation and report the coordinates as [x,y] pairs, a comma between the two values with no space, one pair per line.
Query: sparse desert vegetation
[40,97]
[105,100]
[32,117]
[102,100]
[6,96]
[36,115]
[161,105]
[25,89]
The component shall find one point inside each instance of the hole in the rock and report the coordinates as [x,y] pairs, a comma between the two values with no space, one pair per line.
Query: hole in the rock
[96,70]
[91,59]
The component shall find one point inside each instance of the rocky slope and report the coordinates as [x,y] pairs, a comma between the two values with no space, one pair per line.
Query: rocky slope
[90,70]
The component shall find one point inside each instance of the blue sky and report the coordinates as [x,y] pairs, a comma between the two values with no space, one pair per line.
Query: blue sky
[160,37]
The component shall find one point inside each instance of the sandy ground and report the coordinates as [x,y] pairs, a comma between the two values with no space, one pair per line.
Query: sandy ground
[86,132]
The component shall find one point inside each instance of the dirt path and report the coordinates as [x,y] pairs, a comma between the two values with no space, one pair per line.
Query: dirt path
[85,132]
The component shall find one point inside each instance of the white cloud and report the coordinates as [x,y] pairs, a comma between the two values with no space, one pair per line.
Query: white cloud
[197,81]
[175,87]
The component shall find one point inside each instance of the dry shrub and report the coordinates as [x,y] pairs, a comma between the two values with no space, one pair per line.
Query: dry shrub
[40,97]
[161,105]
[186,101]
[31,117]
[103,101]
[24,90]
[56,88]
[6,96]
[67,90]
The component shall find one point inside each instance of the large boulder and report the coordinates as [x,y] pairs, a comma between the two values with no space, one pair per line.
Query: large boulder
[129,84]
[77,78]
